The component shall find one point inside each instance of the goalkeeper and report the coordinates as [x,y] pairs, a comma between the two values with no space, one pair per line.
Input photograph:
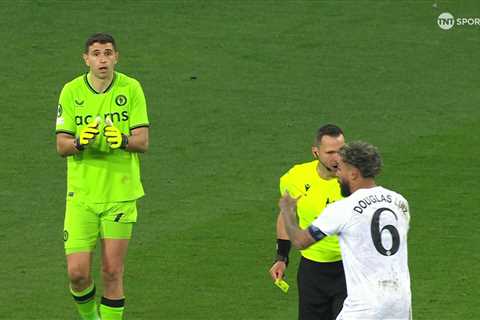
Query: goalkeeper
[102,126]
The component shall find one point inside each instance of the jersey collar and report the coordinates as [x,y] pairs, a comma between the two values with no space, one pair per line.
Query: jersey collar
[95,91]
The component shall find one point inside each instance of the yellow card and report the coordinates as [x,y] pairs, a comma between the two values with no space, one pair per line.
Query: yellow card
[282,285]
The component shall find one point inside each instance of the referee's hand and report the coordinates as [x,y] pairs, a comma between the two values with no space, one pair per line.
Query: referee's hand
[277,270]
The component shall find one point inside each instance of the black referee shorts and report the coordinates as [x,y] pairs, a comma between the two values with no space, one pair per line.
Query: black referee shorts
[321,289]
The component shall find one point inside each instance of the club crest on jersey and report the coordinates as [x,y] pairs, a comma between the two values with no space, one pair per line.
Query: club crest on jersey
[59,111]
[121,100]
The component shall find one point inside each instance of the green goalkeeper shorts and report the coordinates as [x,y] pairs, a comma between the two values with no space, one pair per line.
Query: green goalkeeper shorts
[85,222]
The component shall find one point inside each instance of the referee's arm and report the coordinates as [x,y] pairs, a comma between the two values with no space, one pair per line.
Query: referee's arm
[277,270]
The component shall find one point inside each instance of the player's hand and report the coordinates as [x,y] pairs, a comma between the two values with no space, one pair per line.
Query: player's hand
[287,203]
[115,138]
[277,270]
[87,134]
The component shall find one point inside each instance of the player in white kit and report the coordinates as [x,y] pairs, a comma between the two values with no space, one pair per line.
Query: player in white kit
[372,224]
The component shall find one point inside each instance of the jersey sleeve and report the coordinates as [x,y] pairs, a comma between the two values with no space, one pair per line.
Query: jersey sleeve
[65,113]
[138,112]
[404,207]
[332,220]
[289,183]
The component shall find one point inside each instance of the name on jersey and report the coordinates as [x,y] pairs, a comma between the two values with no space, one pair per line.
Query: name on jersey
[367,201]
[114,116]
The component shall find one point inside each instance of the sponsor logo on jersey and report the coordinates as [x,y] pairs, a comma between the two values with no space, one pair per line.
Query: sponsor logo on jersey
[113,116]
[307,186]
[79,103]
[121,100]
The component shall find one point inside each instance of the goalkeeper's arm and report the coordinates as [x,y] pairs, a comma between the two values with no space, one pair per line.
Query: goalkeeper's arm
[138,140]
[68,145]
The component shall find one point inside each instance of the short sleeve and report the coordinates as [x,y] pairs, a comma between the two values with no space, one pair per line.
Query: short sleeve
[65,113]
[332,220]
[138,112]
[404,207]
[288,183]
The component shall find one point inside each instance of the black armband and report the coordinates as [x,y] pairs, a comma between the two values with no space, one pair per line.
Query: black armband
[283,249]
[316,233]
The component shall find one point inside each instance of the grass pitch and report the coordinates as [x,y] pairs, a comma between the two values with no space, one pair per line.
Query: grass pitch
[235,92]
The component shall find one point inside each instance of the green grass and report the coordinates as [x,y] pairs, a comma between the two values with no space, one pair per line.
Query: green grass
[268,74]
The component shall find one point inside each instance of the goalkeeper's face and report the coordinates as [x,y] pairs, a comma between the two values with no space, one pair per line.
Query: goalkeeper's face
[101,58]
[327,151]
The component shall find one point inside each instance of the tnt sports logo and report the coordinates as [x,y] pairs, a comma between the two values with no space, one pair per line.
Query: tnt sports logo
[446,21]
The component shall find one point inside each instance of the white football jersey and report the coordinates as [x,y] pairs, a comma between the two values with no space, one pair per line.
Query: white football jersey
[372,225]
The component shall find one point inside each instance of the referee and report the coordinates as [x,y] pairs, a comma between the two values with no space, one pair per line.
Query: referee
[321,279]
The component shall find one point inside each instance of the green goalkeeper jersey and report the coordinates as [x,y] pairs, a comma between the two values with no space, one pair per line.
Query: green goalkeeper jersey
[100,174]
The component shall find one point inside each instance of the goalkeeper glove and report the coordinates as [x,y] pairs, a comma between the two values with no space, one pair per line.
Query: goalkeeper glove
[115,138]
[87,134]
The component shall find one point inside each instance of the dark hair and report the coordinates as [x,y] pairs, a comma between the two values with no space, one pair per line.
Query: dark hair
[363,156]
[328,130]
[101,38]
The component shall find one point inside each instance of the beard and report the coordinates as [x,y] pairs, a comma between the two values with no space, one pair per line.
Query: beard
[345,189]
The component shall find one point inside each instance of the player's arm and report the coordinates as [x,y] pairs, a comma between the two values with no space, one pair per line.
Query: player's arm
[301,239]
[139,124]
[65,128]
[66,144]
[138,140]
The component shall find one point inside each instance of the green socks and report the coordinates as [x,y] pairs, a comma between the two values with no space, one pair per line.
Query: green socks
[85,302]
[112,309]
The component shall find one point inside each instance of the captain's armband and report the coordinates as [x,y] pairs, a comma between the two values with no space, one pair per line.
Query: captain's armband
[316,233]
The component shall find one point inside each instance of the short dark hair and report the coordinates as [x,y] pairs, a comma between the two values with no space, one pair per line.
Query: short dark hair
[363,156]
[100,37]
[328,130]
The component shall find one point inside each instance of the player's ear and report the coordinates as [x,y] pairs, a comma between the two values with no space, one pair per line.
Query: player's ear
[315,152]
[117,55]
[355,173]
[85,59]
